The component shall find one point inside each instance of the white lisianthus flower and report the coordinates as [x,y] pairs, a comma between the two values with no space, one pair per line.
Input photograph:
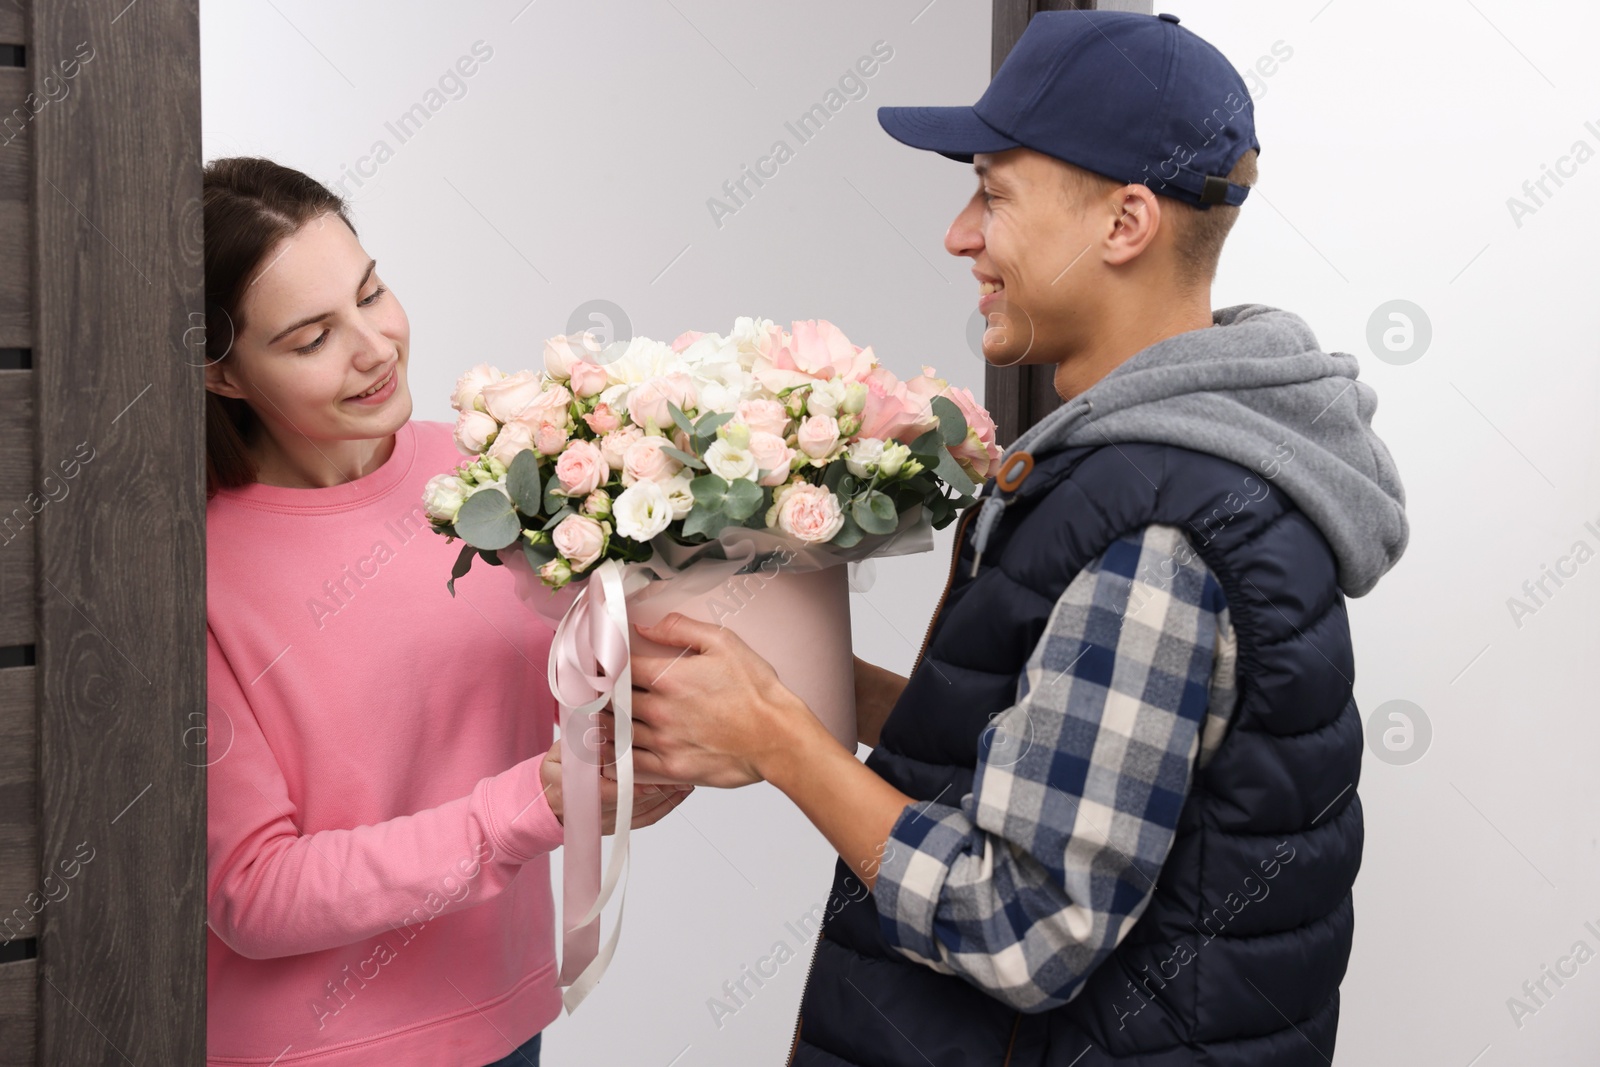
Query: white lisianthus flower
[638,361]
[443,495]
[826,398]
[642,510]
[893,459]
[679,496]
[728,462]
[864,455]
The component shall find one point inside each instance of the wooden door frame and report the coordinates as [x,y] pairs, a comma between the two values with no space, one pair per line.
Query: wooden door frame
[113,142]
[1020,396]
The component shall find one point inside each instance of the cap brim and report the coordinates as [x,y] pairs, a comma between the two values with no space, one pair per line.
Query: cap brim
[956,132]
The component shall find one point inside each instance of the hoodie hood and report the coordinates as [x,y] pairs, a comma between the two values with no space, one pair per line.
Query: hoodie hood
[1253,387]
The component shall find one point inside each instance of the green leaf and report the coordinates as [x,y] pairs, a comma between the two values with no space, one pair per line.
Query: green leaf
[928,444]
[875,513]
[555,520]
[538,555]
[703,521]
[848,535]
[487,520]
[554,498]
[680,419]
[950,471]
[709,422]
[952,424]
[685,458]
[522,481]
[831,477]
[462,566]
[710,491]
[846,486]
[744,497]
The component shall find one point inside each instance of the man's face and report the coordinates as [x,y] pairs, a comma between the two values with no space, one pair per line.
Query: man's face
[1029,242]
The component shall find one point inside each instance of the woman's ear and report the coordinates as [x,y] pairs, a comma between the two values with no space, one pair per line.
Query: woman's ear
[222,379]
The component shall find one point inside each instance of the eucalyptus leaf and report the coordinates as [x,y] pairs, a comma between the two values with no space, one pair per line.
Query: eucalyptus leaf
[554,498]
[684,457]
[951,471]
[832,476]
[928,444]
[487,520]
[952,424]
[704,521]
[709,422]
[463,564]
[874,513]
[710,491]
[538,555]
[555,520]
[742,500]
[680,419]
[522,481]
[849,534]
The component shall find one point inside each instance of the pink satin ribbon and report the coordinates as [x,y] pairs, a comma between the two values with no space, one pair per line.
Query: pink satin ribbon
[589,665]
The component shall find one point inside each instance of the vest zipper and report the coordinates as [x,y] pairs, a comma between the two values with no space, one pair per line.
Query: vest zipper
[955,557]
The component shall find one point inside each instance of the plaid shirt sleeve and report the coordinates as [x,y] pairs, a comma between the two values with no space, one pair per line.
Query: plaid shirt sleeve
[1030,883]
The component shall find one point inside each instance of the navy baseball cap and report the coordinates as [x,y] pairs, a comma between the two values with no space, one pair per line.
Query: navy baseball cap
[1129,96]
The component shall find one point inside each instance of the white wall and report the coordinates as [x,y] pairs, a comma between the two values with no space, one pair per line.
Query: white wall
[577,165]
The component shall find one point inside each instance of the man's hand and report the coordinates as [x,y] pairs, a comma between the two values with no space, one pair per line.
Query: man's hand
[713,712]
[877,690]
[651,803]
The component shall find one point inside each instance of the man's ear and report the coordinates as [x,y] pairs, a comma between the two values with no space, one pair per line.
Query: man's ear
[1135,223]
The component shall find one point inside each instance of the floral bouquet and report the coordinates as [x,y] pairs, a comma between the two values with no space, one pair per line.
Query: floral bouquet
[725,477]
[611,448]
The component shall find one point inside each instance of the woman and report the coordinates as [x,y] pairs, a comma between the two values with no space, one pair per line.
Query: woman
[383,789]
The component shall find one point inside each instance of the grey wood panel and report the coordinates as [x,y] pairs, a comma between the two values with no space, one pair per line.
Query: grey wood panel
[18,1013]
[19,825]
[121,635]
[17,600]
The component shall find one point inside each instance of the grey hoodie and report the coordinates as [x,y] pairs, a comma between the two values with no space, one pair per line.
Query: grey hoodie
[1253,382]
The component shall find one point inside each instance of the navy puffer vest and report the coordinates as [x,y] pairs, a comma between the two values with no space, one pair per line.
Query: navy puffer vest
[1238,958]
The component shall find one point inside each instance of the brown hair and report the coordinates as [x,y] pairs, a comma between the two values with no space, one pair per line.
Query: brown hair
[1198,233]
[250,205]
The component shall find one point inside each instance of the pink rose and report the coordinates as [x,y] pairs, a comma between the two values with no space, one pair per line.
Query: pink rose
[549,406]
[764,416]
[614,445]
[892,411]
[588,379]
[810,513]
[926,385]
[513,437]
[818,435]
[685,339]
[602,419]
[580,539]
[470,384]
[644,461]
[548,438]
[819,348]
[581,469]
[507,397]
[772,455]
[473,430]
[647,405]
[978,454]
[562,351]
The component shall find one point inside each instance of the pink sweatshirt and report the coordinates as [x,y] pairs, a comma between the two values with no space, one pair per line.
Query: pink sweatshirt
[378,874]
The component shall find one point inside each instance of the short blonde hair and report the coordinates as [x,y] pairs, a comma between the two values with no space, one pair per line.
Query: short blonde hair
[1198,233]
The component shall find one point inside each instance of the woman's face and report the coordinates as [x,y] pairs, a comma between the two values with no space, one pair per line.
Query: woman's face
[323,354]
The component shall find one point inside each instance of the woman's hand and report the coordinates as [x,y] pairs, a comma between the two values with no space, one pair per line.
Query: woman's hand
[877,690]
[651,803]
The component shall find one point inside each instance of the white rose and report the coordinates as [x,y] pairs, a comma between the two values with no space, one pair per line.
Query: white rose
[863,455]
[642,510]
[442,497]
[679,495]
[473,430]
[470,384]
[728,462]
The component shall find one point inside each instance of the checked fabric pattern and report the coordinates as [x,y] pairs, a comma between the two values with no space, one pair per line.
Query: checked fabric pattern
[1027,885]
